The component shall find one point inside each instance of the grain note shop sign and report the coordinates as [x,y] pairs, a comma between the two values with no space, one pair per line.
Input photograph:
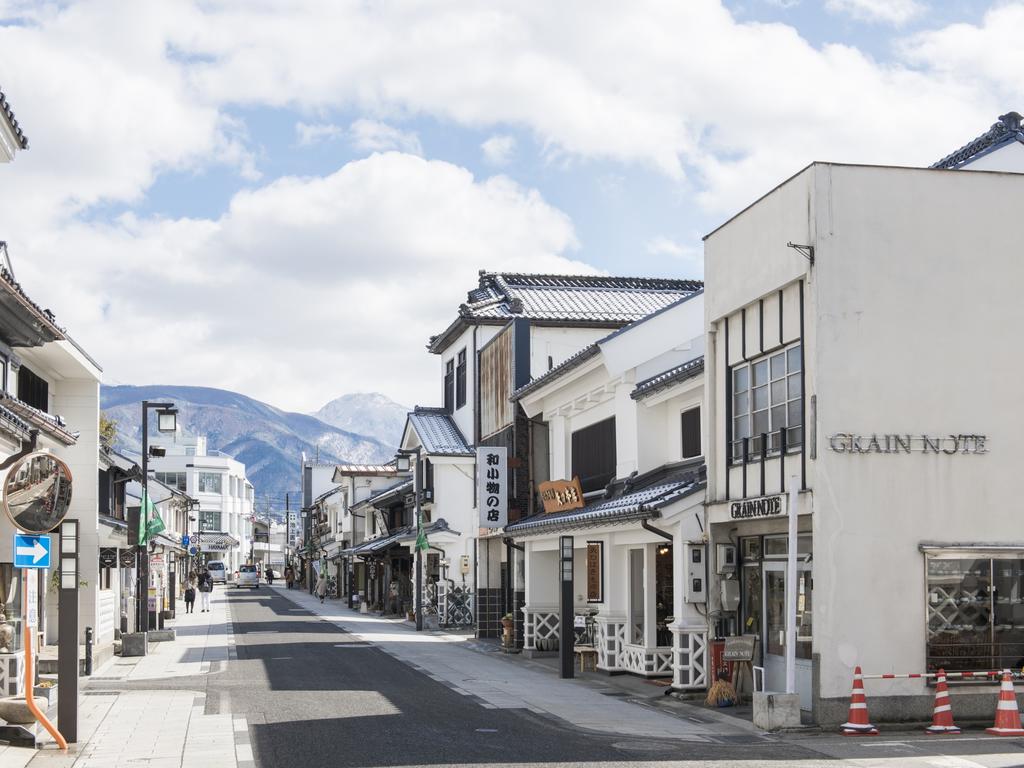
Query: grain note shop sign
[950,445]
[763,506]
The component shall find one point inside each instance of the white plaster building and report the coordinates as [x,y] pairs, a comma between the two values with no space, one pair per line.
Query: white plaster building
[512,328]
[623,417]
[218,482]
[866,310]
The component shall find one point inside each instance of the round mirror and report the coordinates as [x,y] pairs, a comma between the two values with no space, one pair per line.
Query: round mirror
[37,492]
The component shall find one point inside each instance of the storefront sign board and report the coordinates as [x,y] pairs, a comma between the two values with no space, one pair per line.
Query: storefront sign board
[561,495]
[126,557]
[739,648]
[492,486]
[108,557]
[32,599]
[759,507]
[595,550]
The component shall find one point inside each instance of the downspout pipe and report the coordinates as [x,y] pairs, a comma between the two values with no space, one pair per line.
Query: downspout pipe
[656,531]
[511,542]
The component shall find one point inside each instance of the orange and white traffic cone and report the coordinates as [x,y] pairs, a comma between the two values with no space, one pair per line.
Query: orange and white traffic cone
[857,720]
[942,715]
[1007,715]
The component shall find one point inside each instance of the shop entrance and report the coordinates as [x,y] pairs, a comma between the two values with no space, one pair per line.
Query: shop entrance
[774,631]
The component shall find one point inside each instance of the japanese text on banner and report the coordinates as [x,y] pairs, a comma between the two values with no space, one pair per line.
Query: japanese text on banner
[492,486]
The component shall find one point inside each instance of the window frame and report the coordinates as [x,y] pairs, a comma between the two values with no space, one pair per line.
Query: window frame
[200,485]
[682,434]
[449,385]
[586,482]
[460,379]
[791,379]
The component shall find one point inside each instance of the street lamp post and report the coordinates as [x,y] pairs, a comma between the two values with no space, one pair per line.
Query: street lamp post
[167,421]
[402,461]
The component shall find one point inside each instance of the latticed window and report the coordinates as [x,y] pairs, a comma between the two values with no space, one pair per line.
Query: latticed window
[767,395]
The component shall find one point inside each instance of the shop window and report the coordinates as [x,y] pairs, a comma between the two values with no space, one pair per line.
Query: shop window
[975,610]
[460,380]
[209,521]
[33,389]
[449,386]
[691,433]
[767,395]
[210,482]
[593,455]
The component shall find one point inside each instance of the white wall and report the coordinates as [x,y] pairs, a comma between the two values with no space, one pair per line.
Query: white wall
[1007,158]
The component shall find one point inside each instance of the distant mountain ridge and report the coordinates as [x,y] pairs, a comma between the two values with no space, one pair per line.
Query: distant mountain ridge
[268,440]
[366,413]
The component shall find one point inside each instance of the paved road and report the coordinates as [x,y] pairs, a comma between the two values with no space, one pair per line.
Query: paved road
[315,695]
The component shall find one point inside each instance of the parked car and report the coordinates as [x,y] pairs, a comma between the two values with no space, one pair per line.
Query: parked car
[248,576]
[217,571]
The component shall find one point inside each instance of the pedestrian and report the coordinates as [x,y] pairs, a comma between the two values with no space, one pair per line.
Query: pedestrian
[270,576]
[289,576]
[321,587]
[205,588]
[190,597]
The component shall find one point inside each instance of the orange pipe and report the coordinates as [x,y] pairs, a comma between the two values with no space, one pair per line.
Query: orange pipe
[30,700]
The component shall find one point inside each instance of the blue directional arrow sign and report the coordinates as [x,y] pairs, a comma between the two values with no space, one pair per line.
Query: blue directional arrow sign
[31,551]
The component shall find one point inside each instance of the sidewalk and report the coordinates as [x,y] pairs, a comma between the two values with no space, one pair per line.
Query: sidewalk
[503,682]
[157,728]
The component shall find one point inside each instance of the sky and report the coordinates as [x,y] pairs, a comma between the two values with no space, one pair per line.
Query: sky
[287,199]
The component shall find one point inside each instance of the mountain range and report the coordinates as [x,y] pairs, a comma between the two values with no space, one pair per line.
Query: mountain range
[356,428]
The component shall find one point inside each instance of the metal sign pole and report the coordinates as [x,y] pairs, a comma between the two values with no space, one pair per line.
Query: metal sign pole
[791,588]
[67,631]
[566,624]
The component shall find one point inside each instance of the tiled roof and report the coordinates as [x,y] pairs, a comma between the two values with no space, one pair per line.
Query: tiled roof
[633,501]
[438,432]
[34,325]
[398,489]
[665,379]
[640,505]
[575,361]
[14,425]
[7,112]
[365,469]
[588,300]
[1007,130]
[403,534]
[53,426]
[326,495]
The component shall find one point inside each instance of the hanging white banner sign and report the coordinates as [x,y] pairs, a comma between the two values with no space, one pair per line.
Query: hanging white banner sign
[492,486]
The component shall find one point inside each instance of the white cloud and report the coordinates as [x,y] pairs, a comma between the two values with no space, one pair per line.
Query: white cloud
[374,136]
[314,133]
[305,288]
[895,12]
[498,150]
[688,259]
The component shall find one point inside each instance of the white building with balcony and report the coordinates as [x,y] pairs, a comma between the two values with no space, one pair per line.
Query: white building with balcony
[223,527]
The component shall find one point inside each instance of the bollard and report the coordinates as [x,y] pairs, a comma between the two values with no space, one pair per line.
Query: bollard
[124,623]
[88,651]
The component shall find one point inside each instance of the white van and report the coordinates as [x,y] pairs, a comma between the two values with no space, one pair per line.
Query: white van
[217,571]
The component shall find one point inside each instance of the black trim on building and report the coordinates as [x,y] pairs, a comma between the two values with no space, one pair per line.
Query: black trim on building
[803,396]
[728,412]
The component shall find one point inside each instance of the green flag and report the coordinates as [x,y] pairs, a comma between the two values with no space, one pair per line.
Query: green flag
[421,536]
[144,508]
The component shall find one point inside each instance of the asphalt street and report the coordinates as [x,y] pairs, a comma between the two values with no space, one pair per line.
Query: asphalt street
[315,695]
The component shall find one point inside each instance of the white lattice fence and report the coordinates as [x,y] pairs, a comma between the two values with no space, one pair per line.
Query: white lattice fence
[646,661]
[539,625]
[611,636]
[690,666]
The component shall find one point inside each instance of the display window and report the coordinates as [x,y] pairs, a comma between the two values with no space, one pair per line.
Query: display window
[975,611]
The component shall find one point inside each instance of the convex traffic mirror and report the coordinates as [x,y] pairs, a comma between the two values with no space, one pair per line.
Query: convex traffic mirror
[37,492]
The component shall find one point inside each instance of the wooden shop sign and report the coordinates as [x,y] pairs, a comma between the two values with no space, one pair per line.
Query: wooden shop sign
[561,495]
[595,582]
[739,648]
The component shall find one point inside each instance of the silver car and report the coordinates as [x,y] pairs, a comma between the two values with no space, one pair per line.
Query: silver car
[248,576]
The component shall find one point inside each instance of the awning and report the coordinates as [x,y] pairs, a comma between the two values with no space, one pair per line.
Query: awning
[376,547]
[215,541]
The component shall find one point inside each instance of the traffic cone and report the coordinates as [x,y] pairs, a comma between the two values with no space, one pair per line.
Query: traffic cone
[1007,715]
[857,720]
[942,715]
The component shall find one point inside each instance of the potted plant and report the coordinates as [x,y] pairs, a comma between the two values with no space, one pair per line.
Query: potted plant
[47,689]
[508,624]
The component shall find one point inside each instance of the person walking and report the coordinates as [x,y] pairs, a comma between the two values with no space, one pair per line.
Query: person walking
[321,587]
[205,588]
[270,576]
[289,576]
[190,596]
